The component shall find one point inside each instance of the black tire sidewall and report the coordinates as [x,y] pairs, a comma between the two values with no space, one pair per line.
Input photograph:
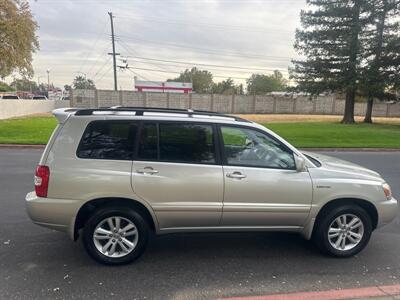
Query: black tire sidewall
[125,212]
[326,220]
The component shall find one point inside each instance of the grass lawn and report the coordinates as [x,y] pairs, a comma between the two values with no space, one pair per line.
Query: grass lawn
[37,130]
[333,134]
[32,130]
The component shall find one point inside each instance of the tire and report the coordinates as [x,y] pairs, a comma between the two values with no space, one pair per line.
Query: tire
[328,226]
[120,248]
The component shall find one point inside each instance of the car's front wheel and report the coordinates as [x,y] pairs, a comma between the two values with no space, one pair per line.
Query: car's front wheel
[115,236]
[343,231]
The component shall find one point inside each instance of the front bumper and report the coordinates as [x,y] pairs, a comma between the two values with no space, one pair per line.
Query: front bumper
[57,214]
[387,211]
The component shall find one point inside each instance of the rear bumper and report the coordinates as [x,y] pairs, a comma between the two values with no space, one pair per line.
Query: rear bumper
[57,214]
[387,211]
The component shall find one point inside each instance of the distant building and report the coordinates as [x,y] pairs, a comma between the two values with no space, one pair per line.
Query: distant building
[163,87]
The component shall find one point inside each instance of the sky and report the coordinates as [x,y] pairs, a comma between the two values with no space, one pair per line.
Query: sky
[160,38]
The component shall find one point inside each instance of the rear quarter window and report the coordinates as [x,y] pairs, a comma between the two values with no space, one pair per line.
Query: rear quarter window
[112,140]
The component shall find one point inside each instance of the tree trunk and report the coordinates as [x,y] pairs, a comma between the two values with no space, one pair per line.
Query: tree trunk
[368,114]
[377,60]
[348,117]
[354,47]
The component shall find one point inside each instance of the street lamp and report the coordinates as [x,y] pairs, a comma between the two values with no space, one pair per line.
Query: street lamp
[48,79]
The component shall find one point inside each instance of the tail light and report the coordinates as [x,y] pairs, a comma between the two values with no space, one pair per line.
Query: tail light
[42,176]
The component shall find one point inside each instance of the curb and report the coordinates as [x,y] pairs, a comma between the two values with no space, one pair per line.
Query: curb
[357,293]
[352,149]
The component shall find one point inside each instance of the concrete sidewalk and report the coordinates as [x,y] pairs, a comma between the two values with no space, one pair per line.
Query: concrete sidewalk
[387,292]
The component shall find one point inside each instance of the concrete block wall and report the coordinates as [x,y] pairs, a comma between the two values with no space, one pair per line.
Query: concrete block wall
[238,104]
[18,108]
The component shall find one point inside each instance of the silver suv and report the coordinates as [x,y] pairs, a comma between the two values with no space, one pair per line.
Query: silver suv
[115,175]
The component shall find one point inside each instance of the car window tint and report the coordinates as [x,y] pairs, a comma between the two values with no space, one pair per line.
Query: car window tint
[108,140]
[187,143]
[10,97]
[247,147]
[148,143]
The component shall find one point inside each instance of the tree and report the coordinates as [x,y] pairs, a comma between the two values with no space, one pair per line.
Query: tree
[381,72]
[25,85]
[202,80]
[263,84]
[18,38]
[82,83]
[226,87]
[330,41]
[4,87]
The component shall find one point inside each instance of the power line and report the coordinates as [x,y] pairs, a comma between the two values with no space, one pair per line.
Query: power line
[203,64]
[93,47]
[209,50]
[206,65]
[127,48]
[102,67]
[154,70]
[105,73]
[160,65]
[100,55]
[215,26]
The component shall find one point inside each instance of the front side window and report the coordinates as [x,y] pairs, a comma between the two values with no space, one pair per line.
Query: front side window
[108,140]
[247,147]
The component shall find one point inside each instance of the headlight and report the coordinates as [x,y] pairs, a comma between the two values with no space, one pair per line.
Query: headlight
[387,191]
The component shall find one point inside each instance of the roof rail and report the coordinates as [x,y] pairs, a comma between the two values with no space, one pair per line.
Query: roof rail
[139,111]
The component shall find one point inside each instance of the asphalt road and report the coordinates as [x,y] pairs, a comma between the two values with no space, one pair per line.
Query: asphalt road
[37,263]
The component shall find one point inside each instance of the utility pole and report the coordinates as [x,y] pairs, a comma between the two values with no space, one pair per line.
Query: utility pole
[113,53]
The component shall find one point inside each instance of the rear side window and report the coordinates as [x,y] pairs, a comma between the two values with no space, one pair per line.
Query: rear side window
[191,143]
[148,144]
[108,140]
[178,142]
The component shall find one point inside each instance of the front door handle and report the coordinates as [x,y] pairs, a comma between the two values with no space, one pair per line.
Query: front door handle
[147,170]
[236,175]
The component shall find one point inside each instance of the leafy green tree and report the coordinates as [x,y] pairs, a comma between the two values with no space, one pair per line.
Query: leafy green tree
[4,87]
[381,72]
[226,87]
[262,84]
[83,83]
[330,41]
[25,85]
[18,38]
[202,80]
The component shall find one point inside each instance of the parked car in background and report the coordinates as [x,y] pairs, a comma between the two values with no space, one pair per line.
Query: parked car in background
[114,175]
[9,97]
[39,97]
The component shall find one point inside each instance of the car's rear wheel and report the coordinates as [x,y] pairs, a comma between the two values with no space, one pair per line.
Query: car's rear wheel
[115,236]
[343,231]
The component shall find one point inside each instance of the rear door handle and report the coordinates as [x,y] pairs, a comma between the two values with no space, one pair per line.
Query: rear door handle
[236,175]
[147,170]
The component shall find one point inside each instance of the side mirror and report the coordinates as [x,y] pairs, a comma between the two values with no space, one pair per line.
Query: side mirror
[300,163]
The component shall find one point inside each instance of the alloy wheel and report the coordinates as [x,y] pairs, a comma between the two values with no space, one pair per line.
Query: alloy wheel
[115,236]
[345,232]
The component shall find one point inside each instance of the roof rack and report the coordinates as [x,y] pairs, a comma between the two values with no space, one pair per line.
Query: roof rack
[139,111]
